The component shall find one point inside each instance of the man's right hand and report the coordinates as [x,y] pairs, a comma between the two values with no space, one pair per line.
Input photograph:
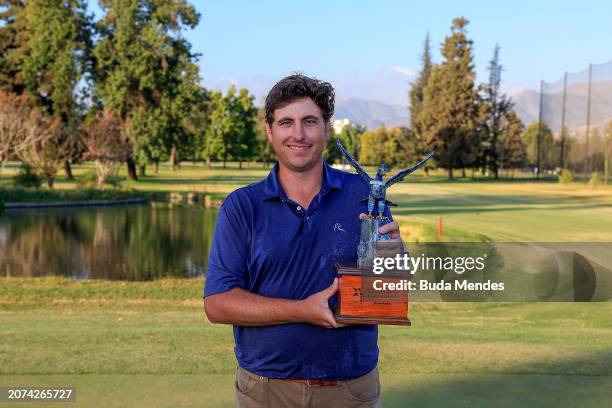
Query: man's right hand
[243,308]
[316,310]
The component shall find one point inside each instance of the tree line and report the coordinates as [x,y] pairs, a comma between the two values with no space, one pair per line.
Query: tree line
[470,126]
[473,126]
[126,88]
[123,88]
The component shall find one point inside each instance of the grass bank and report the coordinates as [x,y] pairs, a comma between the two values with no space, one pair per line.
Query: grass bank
[20,195]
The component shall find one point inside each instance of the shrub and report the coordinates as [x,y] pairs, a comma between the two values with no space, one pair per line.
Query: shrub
[566,176]
[113,180]
[27,177]
[106,146]
[90,179]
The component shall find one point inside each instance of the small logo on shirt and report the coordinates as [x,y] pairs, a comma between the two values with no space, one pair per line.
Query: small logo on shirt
[338,227]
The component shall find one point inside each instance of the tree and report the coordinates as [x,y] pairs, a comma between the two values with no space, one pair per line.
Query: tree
[232,131]
[450,110]
[216,146]
[52,60]
[597,150]
[43,48]
[564,147]
[497,107]
[575,147]
[416,96]
[56,41]
[146,130]
[394,147]
[265,151]
[350,136]
[530,138]
[142,61]
[184,101]
[22,127]
[39,143]
[242,130]
[12,28]
[372,149]
[511,151]
[607,150]
[332,153]
[106,145]
[195,125]
[14,111]
[404,149]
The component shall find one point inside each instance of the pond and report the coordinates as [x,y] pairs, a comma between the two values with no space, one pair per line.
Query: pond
[139,242]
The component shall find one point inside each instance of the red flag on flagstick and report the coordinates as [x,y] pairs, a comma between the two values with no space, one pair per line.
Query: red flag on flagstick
[439,227]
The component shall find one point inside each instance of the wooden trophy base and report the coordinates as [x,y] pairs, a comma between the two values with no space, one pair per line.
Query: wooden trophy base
[362,299]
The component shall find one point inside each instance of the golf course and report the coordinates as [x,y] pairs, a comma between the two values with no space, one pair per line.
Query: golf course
[142,344]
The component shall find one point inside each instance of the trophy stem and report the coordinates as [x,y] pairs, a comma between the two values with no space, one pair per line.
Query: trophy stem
[367,241]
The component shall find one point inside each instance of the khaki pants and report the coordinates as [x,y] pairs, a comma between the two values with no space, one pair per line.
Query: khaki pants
[254,391]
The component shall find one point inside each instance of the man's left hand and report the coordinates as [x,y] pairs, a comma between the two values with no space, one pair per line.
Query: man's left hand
[392,228]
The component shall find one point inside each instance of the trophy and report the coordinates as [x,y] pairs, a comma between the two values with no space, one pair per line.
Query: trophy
[365,297]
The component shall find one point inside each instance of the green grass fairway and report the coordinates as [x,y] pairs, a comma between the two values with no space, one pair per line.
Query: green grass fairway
[506,212]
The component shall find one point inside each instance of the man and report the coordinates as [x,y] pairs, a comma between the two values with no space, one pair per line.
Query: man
[271,270]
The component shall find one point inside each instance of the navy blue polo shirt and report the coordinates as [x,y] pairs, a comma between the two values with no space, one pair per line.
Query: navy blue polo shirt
[269,245]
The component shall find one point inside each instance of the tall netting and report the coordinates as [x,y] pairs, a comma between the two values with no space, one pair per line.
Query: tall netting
[578,111]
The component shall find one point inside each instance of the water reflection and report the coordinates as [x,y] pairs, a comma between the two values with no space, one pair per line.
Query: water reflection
[119,243]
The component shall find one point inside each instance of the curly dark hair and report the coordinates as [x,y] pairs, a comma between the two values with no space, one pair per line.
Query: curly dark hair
[299,86]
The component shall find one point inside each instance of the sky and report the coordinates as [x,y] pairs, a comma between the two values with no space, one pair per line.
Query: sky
[371,49]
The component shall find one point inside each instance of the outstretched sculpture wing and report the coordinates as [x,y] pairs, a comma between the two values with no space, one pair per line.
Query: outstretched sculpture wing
[354,163]
[403,173]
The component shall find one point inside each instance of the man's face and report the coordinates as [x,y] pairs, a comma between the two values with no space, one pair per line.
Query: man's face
[298,134]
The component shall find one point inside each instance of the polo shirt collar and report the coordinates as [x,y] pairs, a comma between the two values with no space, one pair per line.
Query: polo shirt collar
[273,188]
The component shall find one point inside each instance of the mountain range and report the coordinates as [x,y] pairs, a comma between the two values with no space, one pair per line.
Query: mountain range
[374,114]
[527,105]
[378,98]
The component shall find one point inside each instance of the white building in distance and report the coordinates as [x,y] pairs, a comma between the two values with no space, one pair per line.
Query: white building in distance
[340,124]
